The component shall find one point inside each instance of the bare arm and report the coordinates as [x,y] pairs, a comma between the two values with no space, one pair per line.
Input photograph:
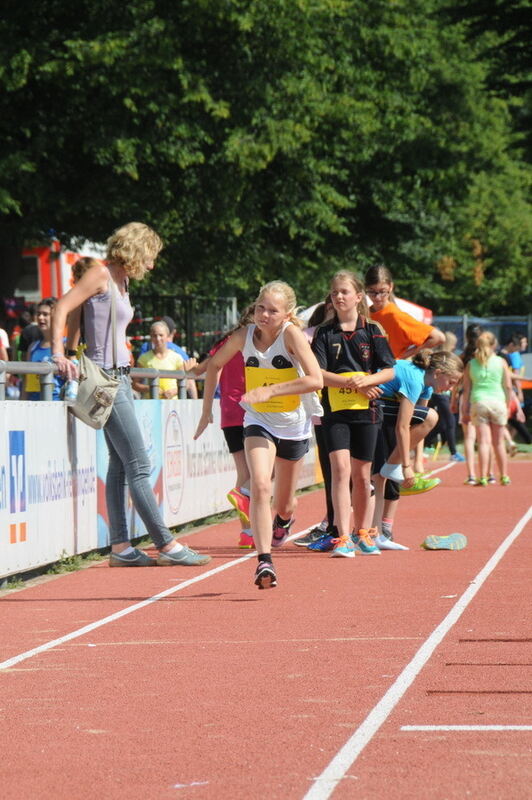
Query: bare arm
[434,339]
[466,398]
[233,345]
[311,381]
[94,281]
[506,381]
[402,432]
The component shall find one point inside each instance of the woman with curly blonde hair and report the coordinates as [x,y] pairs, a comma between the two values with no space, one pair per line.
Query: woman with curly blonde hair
[131,253]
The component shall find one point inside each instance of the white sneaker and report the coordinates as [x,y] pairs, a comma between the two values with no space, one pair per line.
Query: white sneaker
[383,543]
[392,471]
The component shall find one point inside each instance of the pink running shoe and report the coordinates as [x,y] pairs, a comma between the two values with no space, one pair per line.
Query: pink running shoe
[241,502]
[280,533]
[246,540]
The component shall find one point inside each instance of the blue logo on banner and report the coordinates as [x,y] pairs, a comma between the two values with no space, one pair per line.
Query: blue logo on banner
[17,471]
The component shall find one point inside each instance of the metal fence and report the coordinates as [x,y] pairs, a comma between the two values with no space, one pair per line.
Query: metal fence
[46,370]
[200,321]
[501,327]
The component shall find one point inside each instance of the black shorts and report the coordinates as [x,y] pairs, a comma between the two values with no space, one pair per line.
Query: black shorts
[234,436]
[388,439]
[289,449]
[359,438]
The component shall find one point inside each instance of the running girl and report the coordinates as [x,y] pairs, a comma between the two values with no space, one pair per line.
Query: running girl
[348,348]
[231,382]
[279,366]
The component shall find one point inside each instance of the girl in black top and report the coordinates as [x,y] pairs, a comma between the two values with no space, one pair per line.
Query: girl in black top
[347,348]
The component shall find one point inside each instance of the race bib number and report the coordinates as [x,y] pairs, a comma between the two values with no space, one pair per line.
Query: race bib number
[345,398]
[259,376]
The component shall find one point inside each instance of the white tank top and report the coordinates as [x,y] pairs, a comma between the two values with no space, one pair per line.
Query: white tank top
[286,417]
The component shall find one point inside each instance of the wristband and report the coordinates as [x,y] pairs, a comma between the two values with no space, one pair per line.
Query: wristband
[405,466]
[72,352]
[58,355]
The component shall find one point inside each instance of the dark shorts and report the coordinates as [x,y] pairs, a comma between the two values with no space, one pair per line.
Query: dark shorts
[359,438]
[234,436]
[387,440]
[289,449]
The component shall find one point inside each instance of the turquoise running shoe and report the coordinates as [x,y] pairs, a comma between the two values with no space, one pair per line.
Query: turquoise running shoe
[455,541]
[343,547]
[364,544]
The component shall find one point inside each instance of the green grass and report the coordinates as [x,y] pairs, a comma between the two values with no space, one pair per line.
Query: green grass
[8,584]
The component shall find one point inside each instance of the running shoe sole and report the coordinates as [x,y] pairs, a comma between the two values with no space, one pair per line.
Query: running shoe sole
[266,577]
[455,541]
[421,489]
[240,503]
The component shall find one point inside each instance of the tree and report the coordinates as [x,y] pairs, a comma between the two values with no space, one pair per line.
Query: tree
[281,139]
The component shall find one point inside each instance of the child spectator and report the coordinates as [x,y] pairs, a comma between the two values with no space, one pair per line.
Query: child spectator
[41,350]
[161,357]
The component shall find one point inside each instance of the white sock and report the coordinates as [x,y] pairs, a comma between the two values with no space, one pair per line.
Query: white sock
[175,549]
[247,530]
[245,491]
[126,552]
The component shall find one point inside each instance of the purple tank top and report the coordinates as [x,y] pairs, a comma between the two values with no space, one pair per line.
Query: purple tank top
[98,330]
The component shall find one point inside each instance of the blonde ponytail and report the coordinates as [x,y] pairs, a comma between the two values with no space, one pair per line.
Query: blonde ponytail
[485,346]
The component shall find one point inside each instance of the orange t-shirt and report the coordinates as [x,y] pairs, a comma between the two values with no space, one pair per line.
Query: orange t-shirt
[402,329]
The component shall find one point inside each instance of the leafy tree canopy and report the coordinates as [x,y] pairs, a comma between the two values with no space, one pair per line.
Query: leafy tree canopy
[281,139]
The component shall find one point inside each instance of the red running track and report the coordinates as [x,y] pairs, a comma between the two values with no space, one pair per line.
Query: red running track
[196,685]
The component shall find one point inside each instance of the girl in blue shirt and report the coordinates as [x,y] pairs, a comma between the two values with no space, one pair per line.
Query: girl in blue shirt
[406,416]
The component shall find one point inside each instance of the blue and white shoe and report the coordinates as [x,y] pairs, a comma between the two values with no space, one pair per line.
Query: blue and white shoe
[343,547]
[364,544]
[323,544]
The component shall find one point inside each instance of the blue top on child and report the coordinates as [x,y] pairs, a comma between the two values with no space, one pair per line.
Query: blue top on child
[409,382]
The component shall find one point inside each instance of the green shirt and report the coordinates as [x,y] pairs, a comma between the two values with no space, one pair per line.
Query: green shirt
[487,380]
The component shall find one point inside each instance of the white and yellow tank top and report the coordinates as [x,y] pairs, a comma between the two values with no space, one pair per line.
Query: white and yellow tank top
[285,416]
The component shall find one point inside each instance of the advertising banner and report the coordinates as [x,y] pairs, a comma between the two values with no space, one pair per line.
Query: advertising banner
[47,485]
[53,471]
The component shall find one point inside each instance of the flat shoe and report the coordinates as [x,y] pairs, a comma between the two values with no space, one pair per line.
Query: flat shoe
[137,558]
[184,558]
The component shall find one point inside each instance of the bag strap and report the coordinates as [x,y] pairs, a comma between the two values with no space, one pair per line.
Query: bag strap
[113,319]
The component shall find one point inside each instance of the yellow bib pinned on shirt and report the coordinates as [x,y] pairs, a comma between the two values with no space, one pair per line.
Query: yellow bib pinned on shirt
[260,376]
[345,398]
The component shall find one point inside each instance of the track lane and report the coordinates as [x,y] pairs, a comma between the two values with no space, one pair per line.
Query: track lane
[187,693]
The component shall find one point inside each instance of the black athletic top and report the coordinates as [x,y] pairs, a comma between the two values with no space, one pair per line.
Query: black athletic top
[365,349]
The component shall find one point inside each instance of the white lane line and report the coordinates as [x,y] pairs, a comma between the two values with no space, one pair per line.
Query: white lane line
[10,662]
[325,783]
[466,727]
[450,465]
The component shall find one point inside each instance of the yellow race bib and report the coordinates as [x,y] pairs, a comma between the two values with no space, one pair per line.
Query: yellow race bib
[344,398]
[33,384]
[259,376]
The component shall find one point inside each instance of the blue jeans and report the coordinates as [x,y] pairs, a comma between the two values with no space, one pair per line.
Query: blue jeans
[128,460]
